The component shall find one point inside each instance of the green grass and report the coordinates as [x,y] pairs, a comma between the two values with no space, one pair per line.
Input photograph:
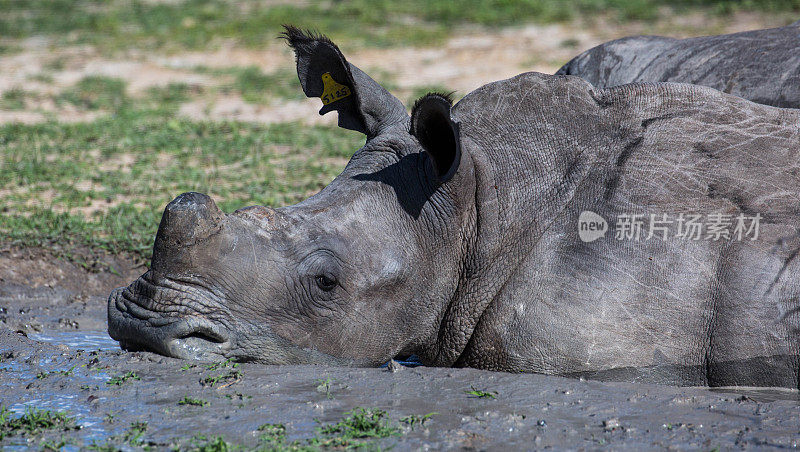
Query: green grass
[272,434]
[66,373]
[172,94]
[8,49]
[226,364]
[362,423]
[359,424]
[258,87]
[33,422]
[119,380]
[54,445]
[13,99]
[325,387]
[413,420]
[356,430]
[96,93]
[134,436]
[227,379]
[201,443]
[120,24]
[41,77]
[192,401]
[481,394]
[101,185]
[103,447]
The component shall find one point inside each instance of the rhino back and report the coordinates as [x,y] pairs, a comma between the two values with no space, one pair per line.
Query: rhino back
[675,310]
[618,62]
[760,65]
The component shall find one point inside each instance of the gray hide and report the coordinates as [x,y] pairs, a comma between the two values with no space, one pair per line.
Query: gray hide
[453,234]
[761,65]
[683,311]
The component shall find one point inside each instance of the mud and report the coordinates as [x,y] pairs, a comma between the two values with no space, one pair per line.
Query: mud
[55,354]
[41,292]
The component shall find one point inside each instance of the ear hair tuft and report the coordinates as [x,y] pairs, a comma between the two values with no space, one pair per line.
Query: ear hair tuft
[297,37]
[447,97]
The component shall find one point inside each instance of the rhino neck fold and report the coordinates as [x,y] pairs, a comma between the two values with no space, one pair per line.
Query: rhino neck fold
[523,184]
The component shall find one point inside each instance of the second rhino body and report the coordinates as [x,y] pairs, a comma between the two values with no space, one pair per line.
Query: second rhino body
[760,65]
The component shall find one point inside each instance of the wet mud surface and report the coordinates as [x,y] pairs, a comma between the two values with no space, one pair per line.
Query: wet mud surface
[55,355]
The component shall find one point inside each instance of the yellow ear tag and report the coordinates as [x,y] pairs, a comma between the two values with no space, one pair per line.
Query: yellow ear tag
[332,91]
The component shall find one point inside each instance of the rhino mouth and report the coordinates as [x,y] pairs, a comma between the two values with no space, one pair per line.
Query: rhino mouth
[140,321]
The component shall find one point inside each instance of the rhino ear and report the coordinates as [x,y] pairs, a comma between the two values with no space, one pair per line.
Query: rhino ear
[363,104]
[436,131]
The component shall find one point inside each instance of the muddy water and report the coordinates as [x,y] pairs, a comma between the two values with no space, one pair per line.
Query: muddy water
[67,361]
[86,340]
[528,411]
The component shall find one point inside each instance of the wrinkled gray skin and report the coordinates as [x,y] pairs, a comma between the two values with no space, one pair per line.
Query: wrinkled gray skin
[458,241]
[761,65]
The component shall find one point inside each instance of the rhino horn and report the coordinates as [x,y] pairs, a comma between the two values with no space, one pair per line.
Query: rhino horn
[188,219]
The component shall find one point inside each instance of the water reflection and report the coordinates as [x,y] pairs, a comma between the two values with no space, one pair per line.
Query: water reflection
[87,340]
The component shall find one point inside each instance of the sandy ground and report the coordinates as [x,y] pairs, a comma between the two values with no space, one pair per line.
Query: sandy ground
[471,58]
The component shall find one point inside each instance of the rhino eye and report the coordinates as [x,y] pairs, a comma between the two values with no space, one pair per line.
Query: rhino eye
[325,283]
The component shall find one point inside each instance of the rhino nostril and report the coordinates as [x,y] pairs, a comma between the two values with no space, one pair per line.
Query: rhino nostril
[208,336]
[199,342]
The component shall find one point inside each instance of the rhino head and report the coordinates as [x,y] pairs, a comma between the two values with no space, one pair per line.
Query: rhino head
[359,273]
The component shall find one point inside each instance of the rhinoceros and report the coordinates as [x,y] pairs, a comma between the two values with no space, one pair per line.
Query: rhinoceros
[761,65]
[498,233]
